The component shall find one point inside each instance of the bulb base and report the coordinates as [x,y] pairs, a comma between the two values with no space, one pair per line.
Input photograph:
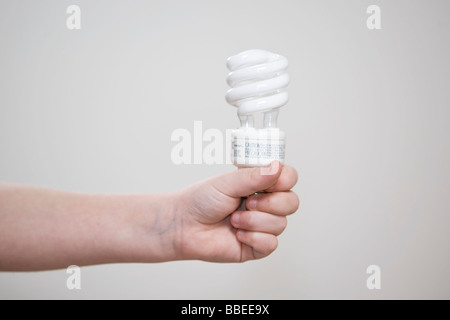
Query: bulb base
[257,147]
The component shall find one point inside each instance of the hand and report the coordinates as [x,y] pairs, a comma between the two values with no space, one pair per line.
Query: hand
[213,229]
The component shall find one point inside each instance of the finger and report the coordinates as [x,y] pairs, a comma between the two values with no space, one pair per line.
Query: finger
[246,181]
[279,203]
[287,180]
[262,244]
[259,221]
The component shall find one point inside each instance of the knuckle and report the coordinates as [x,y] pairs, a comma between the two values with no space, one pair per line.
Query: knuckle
[283,224]
[272,244]
[296,201]
[294,177]
[293,202]
[290,178]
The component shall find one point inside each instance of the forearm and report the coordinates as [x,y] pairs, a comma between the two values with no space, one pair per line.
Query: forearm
[46,229]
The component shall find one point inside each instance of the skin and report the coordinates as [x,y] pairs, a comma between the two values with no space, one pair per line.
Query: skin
[44,229]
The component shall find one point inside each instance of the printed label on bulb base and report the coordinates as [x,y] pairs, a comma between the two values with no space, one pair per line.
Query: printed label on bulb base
[254,148]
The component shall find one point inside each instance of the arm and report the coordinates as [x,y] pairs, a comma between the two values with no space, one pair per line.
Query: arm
[45,229]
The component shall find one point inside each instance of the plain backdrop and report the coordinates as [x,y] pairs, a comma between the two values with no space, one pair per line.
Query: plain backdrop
[92,110]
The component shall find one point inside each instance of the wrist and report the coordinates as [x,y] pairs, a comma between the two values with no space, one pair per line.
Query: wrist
[147,226]
[186,232]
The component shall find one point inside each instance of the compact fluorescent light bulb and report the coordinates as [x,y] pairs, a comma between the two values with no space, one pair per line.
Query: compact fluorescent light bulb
[257,79]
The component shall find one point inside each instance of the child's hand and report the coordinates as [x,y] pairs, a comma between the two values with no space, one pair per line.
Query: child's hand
[213,229]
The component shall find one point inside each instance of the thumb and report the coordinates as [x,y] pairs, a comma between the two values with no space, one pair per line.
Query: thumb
[246,181]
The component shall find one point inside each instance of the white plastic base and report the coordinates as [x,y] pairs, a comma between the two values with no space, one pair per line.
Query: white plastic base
[257,147]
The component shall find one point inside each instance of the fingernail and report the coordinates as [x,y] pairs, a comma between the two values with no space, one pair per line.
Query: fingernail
[270,170]
[251,203]
[236,217]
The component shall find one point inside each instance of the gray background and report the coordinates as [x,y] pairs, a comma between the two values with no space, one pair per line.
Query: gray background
[367,123]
